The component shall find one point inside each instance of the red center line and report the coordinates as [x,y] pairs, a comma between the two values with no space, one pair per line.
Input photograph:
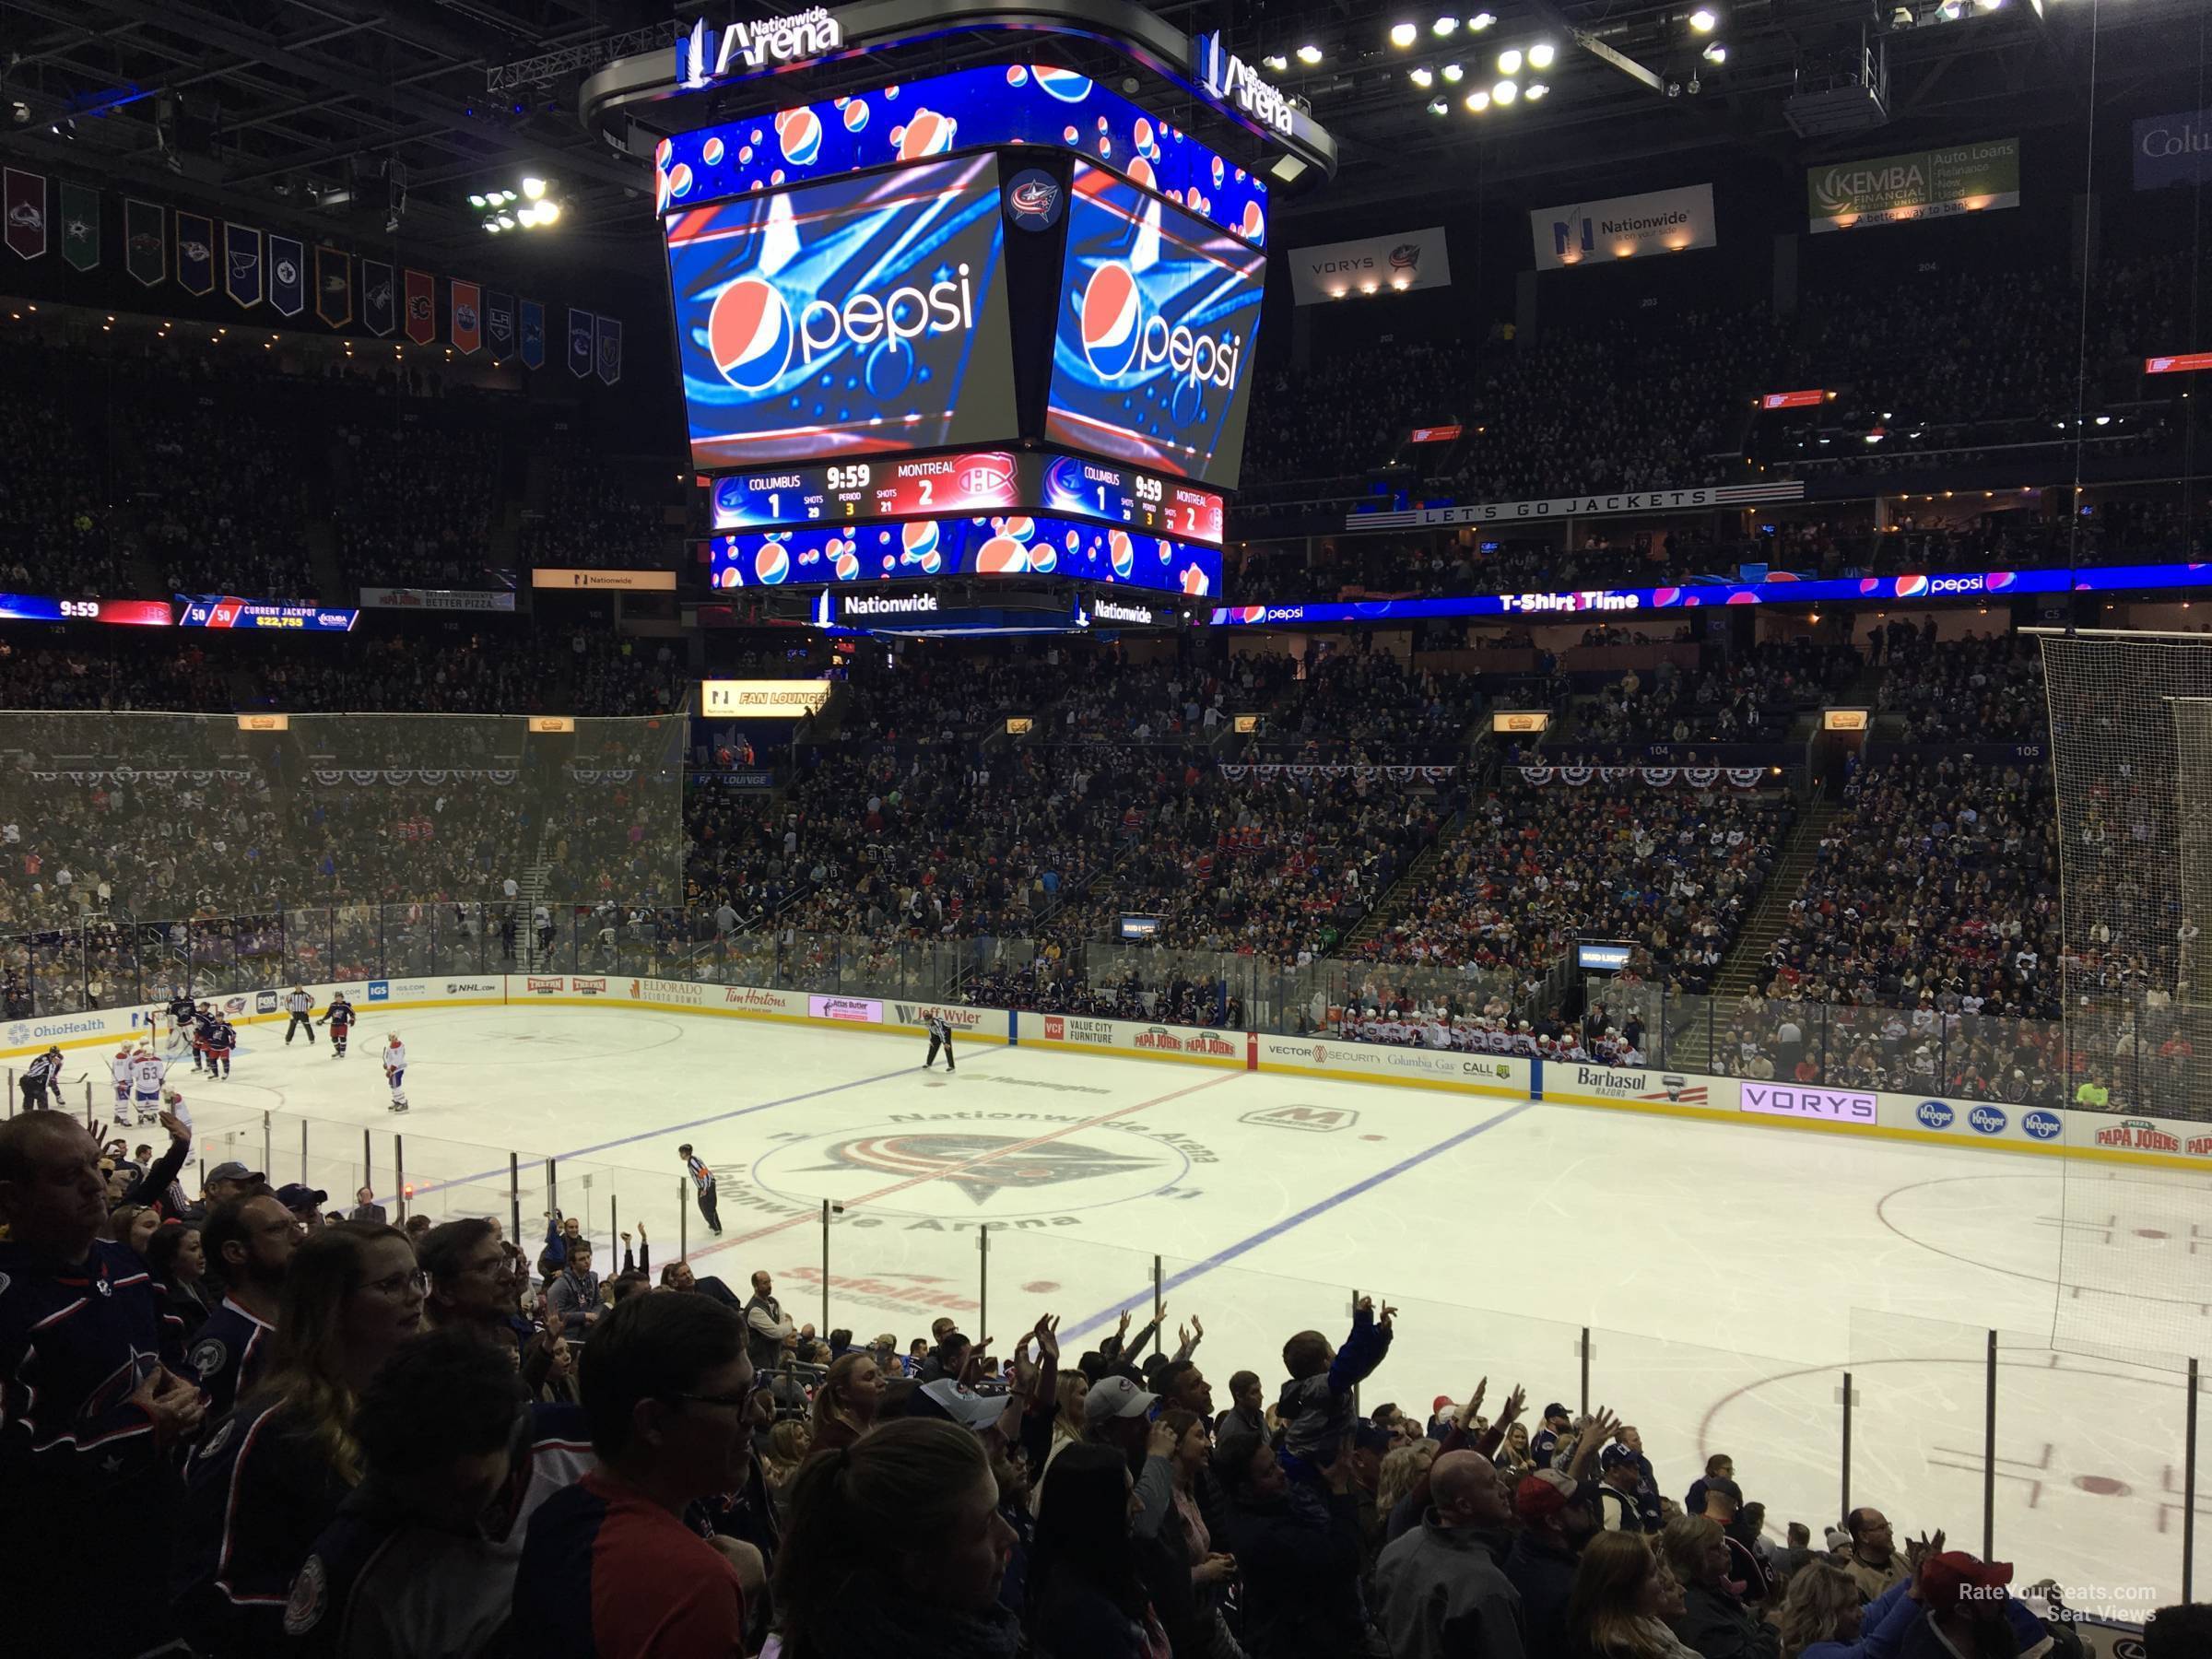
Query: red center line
[915,1181]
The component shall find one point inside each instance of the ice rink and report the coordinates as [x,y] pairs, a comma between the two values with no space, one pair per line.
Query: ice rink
[1728,1276]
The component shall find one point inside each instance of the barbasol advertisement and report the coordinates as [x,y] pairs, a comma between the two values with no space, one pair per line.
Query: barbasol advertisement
[969,546]
[1153,350]
[856,317]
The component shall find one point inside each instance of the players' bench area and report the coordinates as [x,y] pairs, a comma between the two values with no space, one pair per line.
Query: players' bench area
[1981,1125]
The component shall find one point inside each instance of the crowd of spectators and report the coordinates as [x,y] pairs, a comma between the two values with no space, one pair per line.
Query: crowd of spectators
[362,1438]
[1973,690]
[600,512]
[218,497]
[1749,697]
[415,506]
[56,518]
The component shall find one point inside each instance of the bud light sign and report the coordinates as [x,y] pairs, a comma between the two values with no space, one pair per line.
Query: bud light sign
[859,316]
[1153,349]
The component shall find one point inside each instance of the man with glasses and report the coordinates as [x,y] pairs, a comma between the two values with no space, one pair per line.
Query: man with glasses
[471,1282]
[249,1244]
[609,1566]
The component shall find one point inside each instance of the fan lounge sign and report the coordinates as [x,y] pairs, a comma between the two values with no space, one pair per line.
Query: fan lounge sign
[755,45]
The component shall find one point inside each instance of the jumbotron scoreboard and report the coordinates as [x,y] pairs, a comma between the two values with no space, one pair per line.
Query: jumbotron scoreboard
[989,328]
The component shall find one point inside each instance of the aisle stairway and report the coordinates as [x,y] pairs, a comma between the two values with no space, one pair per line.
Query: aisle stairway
[1401,895]
[1743,966]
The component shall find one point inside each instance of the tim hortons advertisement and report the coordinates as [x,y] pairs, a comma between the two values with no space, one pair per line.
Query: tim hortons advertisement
[1437,1068]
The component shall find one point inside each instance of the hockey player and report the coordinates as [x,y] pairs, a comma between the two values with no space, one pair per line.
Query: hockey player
[940,1035]
[180,1009]
[119,1068]
[38,1075]
[148,1072]
[396,1071]
[300,1004]
[203,1036]
[222,1042]
[339,1017]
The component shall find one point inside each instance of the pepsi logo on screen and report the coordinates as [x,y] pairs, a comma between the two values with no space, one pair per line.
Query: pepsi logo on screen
[860,315]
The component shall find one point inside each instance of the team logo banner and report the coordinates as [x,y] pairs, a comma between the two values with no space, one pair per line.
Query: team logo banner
[582,343]
[499,325]
[1659,222]
[196,252]
[468,318]
[1416,260]
[377,314]
[144,242]
[288,275]
[531,327]
[241,264]
[334,286]
[422,307]
[26,195]
[610,350]
[1920,185]
[80,226]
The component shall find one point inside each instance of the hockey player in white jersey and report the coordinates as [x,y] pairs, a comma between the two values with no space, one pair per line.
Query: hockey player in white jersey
[148,1072]
[119,1067]
[396,1071]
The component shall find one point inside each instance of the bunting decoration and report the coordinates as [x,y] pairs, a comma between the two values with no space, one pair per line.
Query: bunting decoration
[422,307]
[146,242]
[241,264]
[288,275]
[196,252]
[499,325]
[610,350]
[334,286]
[468,332]
[80,226]
[1301,773]
[1699,778]
[584,351]
[377,314]
[533,334]
[26,197]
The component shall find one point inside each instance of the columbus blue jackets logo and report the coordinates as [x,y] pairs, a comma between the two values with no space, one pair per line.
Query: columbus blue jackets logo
[1406,256]
[1034,198]
[982,1165]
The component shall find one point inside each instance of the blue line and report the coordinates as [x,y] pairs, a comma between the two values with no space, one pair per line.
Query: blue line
[1276,1229]
[720,1117]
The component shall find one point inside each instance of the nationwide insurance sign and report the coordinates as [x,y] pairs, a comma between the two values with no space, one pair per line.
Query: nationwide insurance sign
[1659,222]
[1920,185]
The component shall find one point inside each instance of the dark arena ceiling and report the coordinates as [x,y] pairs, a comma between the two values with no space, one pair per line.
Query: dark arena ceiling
[334,116]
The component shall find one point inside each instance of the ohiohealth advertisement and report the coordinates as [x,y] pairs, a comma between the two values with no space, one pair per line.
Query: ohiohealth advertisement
[1153,352]
[859,316]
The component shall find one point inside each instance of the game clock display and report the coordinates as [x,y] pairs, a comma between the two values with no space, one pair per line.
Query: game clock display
[976,481]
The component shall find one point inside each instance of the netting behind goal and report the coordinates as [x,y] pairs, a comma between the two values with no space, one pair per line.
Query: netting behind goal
[2131,728]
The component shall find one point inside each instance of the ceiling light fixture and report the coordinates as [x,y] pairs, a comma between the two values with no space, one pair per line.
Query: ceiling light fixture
[1453,73]
[1508,61]
[1423,77]
[1309,54]
[1444,25]
[1477,101]
[1704,20]
[1505,91]
[1403,34]
[1717,53]
[1535,89]
[1540,55]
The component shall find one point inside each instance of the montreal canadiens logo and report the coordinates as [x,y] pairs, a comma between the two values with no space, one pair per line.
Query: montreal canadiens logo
[750,333]
[1034,198]
[988,475]
[1111,320]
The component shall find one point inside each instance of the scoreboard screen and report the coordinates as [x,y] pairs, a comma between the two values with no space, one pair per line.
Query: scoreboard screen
[975,481]
[994,545]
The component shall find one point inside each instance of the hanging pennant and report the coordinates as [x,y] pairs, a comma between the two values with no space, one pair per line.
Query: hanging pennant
[582,343]
[241,264]
[146,242]
[334,286]
[26,195]
[468,332]
[288,275]
[499,325]
[610,350]
[80,226]
[532,328]
[377,312]
[422,307]
[196,252]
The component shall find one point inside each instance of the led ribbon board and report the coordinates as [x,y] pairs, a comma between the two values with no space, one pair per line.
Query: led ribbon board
[920,550]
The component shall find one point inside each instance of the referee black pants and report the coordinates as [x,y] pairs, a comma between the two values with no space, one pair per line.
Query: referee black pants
[300,1022]
[34,1094]
[710,1208]
[935,1043]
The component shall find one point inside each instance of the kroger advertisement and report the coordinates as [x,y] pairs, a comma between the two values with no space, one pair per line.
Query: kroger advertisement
[1777,590]
[920,549]
[968,109]
[861,316]
[1153,349]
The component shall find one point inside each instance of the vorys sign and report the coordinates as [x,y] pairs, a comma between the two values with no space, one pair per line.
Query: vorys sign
[1844,1106]
[1417,259]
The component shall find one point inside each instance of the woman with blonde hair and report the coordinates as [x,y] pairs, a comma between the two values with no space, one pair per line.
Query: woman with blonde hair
[270,1476]
[1067,1429]
[845,1404]
[1713,1621]
[1821,1617]
[1624,1593]
[788,1443]
[1401,1472]
[1513,1459]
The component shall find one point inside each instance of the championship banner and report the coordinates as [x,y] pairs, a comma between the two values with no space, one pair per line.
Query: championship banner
[468,318]
[531,327]
[498,326]
[377,314]
[1629,227]
[196,252]
[422,307]
[582,343]
[146,242]
[241,265]
[610,350]
[80,226]
[1416,260]
[2174,150]
[26,195]
[288,275]
[334,286]
[1921,184]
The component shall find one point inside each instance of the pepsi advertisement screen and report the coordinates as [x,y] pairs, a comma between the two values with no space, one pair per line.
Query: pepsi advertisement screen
[918,550]
[1153,346]
[862,317]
